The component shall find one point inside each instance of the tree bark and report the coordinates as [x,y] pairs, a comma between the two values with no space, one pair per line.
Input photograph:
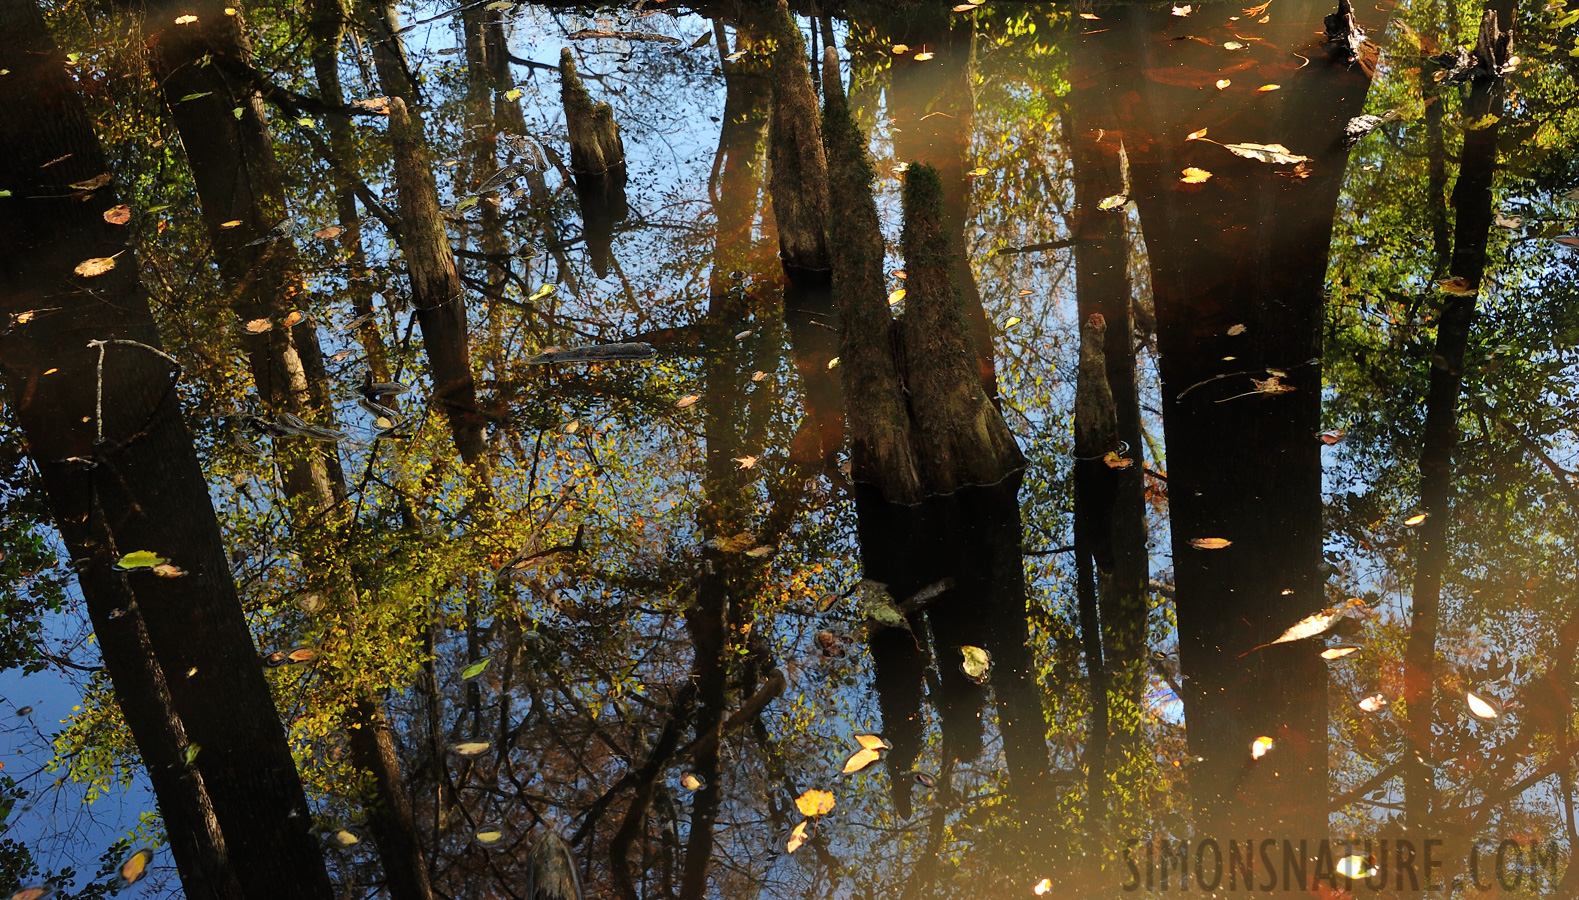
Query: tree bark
[120,474]
[799,182]
[1472,199]
[597,161]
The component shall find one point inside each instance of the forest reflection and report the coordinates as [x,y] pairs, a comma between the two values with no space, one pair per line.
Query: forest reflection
[749,450]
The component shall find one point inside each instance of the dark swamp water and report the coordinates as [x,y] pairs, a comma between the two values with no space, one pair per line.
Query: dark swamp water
[866,450]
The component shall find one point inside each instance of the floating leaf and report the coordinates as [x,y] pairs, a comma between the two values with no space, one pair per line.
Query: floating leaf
[1195,135]
[347,838]
[895,296]
[1339,651]
[133,868]
[1086,15]
[499,5]
[1114,461]
[1355,868]
[1232,45]
[1011,321]
[1415,519]
[759,552]
[302,654]
[879,606]
[1193,175]
[197,96]
[1312,625]
[118,215]
[1481,707]
[1113,202]
[1178,11]
[544,291]
[1373,703]
[797,837]
[92,184]
[191,752]
[1331,437]
[476,668]
[38,891]
[975,663]
[979,170]
[140,559]
[469,748]
[1508,222]
[1270,87]
[925,780]
[1260,747]
[758,375]
[165,570]
[923,56]
[745,462]
[900,49]
[1223,83]
[814,803]
[1046,884]
[690,782]
[833,363]
[1276,154]
[871,742]
[513,94]
[292,318]
[1236,330]
[687,401]
[965,7]
[328,233]
[98,265]
[1457,287]
[1209,543]
[860,760]
[233,223]
[733,543]
[489,835]
[185,20]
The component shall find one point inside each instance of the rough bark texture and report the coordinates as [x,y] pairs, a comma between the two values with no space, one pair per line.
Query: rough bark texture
[961,437]
[597,159]
[799,183]
[436,289]
[1472,201]
[1244,468]
[389,818]
[875,411]
[238,180]
[178,652]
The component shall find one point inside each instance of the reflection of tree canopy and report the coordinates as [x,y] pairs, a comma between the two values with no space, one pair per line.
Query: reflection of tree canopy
[649,615]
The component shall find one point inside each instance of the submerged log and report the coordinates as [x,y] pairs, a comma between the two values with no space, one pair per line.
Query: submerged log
[961,437]
[799,172]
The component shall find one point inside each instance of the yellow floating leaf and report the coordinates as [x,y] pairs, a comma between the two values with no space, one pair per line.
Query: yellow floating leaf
[900,49]
[1209,543]
[1232,45]
[894,297]
[758,375]
[1236,330]
[975,663]
[1339,651]
[165,570]
[1457,287]
[860,760]
[292,318]
[690,782]
[1195,135]
[1089,16]
[1011,321]
[1480,707]
[1046,884]
[98,265]
[1109,204]
[140,559]
[797,837]
[814,803]
[185,20]
[1260,747]
[233,223]
[1355,868]
[1373,703]
[923,56]
[1178,11]
[1414,520]
[1223,83]
[1270,87]
[1114,461]
[871,742]
[469,748]
[833,363]
[977,172]
[1193,175]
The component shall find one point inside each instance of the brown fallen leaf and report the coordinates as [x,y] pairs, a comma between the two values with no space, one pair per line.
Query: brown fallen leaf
[329,233]
[1277,154]
[118,215]
[98,265]
[687,400]
[258,326]
[294,317]
[1114,461]
[1209,543]
[92,184]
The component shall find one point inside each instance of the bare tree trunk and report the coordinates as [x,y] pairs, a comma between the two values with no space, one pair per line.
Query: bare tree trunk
[961,437]
[597,160]
[328,25]
[875,410]
[436,287]
[103,425]
[799,182]
[1473,201]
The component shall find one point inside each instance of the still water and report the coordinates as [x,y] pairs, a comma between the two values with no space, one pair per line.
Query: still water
[875,451]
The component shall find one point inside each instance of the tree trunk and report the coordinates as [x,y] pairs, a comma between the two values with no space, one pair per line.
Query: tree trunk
[799,182]
[1471,230]
[875,409]
[436,289]
[1244,463]
[961,437]
[119,471]
[597,160]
